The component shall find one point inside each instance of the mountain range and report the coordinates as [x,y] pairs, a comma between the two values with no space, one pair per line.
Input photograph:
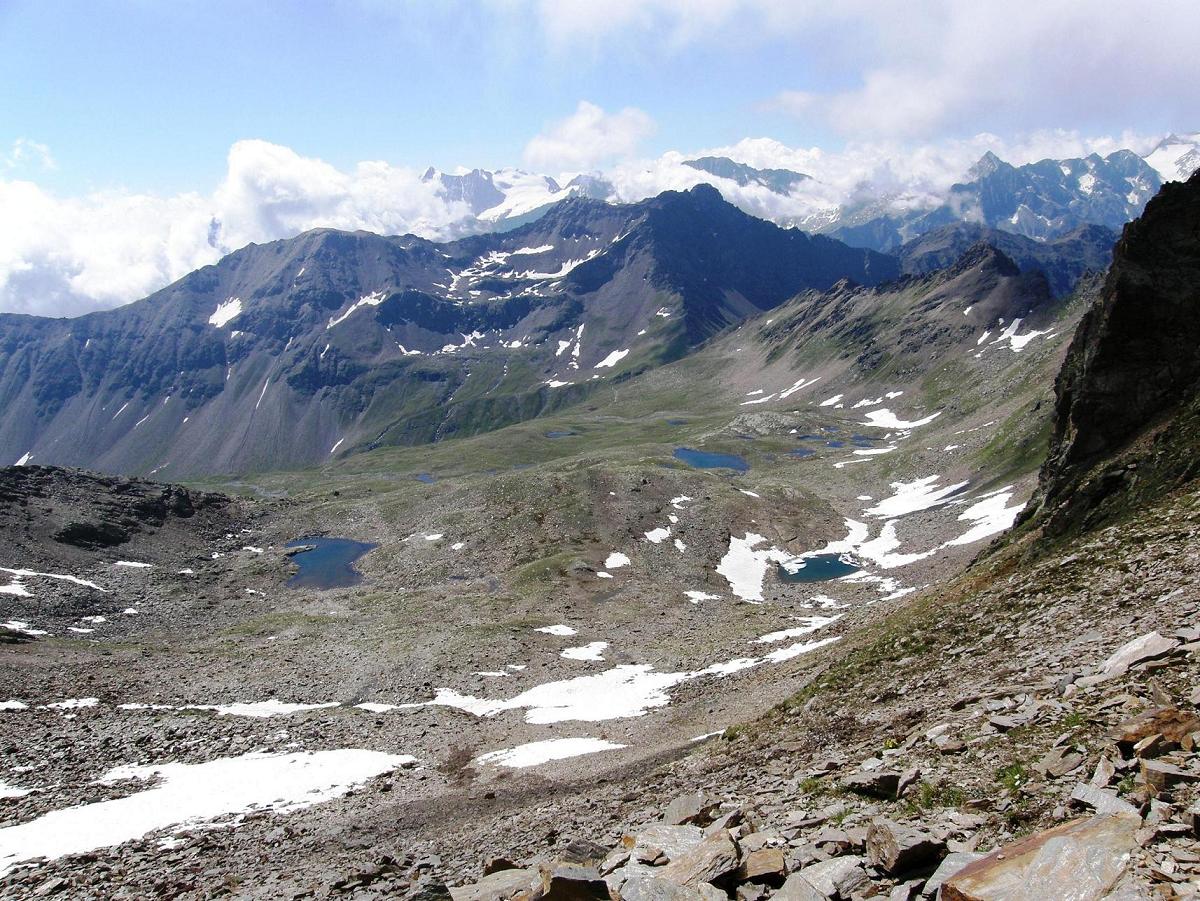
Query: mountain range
[1044,200]
[285,353]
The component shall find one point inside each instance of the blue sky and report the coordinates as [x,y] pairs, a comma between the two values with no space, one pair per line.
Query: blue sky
[129,129]
[151,95]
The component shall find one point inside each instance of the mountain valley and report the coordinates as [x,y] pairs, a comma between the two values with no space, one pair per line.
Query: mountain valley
[693,569]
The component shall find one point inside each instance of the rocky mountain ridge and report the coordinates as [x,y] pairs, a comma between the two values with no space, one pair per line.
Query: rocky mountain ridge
[1126,414]
[286,353]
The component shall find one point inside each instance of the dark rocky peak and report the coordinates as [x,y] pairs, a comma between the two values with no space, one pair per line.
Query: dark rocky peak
[986,256]
[1132,372]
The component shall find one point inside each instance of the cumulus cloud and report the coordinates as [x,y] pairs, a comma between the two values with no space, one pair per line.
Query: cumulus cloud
[927,68]
[67,256]
[907,175]
[588,137]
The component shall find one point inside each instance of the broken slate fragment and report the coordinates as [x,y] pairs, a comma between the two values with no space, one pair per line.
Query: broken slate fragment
[879,783]
[1160,775]
[691,809]
[1150,646]
[1080,860]
[896,848]
[713,858]
[1100,800]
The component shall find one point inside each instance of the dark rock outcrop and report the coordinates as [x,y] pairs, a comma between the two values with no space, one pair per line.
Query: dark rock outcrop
[1127,419]
[55,516]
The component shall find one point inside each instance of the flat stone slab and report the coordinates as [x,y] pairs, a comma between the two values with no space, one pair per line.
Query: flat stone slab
[1080,860]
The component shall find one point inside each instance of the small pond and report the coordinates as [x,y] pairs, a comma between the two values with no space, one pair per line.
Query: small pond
[801,452]
[709,460]
[561,433]
[819,568]
[425,477]
[328,564]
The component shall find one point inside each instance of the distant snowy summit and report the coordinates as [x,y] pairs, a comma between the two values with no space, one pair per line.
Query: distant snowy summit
[1045,200]
[1176,157]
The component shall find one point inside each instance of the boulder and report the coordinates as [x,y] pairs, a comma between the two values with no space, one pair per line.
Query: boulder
[674,840]
[895,848]
[430,889]
[1100,800]
[499,885]
[766,865]
[1171,723]
[655,888]
[797,888]
[1058,762]
[877,783]
[496,864]
[834,877]
[691,809]
[715,857]
[582,852]
[1160,775]
[568,882]
[1080,860]
[1150,646]
[951,865]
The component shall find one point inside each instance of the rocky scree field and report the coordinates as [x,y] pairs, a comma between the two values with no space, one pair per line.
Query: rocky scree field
[584,657]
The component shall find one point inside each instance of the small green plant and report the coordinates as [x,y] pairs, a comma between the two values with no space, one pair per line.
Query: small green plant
[813,786]
[1013,776]
[935,795]
[1074,720]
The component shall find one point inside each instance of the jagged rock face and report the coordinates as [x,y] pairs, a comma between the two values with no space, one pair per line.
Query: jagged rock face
[1044,201]
[283,353]
[1133,365]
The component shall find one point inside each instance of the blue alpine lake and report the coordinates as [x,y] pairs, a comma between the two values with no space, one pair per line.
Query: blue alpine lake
[819,568]
[329,564]
[709,460]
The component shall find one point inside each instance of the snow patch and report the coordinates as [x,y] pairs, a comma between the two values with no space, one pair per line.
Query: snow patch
[744,567]
[592,651]
[616,560]
[612,359]
[539,752]
[886,419]
[226,312]
[194,795]
[559,629]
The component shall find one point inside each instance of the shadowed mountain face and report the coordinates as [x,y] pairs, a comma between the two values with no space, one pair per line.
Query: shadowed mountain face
[908,327]
[284,353]
[1128,415]
[1063,260]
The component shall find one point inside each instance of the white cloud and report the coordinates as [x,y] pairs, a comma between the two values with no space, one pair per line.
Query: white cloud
[588,137]
[926,68]
[908,174]
[25,153]
[67,256]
